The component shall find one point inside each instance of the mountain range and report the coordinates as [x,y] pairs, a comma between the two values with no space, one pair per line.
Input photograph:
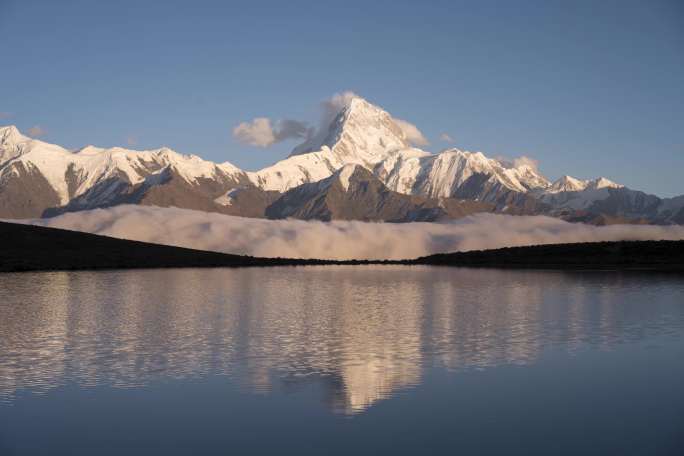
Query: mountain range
[360,165]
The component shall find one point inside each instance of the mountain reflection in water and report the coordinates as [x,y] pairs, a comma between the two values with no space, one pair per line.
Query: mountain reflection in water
[364,333]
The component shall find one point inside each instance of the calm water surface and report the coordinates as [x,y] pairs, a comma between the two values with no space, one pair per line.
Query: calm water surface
[341,360]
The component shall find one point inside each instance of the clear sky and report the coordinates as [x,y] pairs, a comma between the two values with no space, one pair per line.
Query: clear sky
[587,88]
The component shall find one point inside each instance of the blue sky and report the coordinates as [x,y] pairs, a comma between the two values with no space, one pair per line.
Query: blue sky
[587,88]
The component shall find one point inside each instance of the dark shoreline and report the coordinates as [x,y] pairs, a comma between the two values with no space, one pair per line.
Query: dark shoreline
[35,248]
[622,255]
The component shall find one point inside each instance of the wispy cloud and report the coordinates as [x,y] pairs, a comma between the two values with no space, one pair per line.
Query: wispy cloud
[518,162]
[446,138]
[36,131]
[341,239]
[333,105]
[132,140]
[526,161]
[338,101]
[329,108]
[5,115]
[262,132]
[411,133]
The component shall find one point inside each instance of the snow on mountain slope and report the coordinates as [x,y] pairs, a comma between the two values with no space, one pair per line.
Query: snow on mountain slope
[355,193]
[74,174]
[358,133]
[567,184]
[50,160]
[12,143]
[400,170]
[571,193]
[345,174]
[135,166]
[571,184]
[297,170]
[602,182]
[361,133]
[413,171]
[35,175]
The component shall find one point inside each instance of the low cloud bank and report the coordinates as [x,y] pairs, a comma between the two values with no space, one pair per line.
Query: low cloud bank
[340,239]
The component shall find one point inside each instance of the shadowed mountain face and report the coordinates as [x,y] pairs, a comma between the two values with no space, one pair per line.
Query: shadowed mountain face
[25,192]
[168,188]
[354,193]
[392,180]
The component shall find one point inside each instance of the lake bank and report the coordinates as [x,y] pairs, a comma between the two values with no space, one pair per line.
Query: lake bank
[34,248]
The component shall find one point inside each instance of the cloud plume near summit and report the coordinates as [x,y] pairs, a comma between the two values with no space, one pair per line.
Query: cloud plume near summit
[265,132]
[262,132]
[340,239]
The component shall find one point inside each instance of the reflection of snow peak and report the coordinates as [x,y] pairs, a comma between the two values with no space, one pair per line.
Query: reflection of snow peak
[360,335]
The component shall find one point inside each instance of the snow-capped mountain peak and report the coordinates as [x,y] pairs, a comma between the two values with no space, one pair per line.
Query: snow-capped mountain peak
[571,184]
[352,131]
[567,184]
[358,131]
[602,182]
[11,134]
[445,174]
[71,175]
[10,143]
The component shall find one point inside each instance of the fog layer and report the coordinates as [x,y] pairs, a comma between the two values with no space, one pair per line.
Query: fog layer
[340,239]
